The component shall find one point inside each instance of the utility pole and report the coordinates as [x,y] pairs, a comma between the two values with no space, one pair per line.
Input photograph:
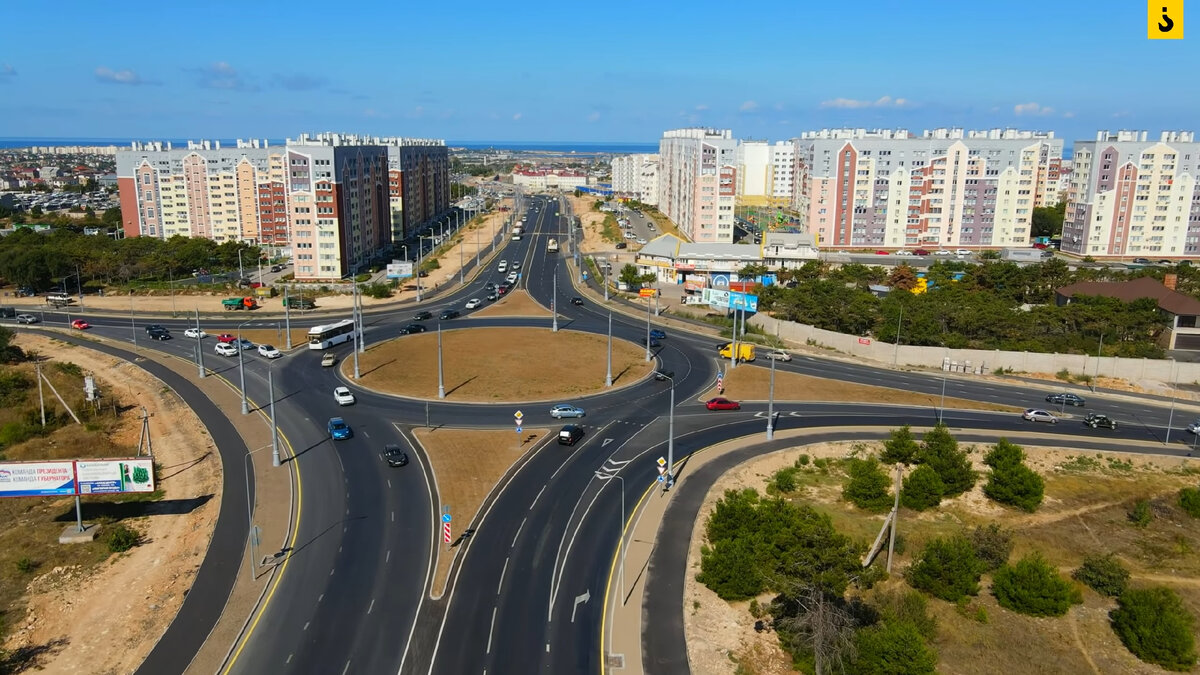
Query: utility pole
[771,405]
[132,325]
[441,380]
[608,377]
[896,347]
[41,399]
[648,329]
[274,427]
[554,301]
[199,346]
[357,334]
[287,317]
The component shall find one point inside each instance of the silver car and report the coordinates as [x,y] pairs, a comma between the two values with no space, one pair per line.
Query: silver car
[1036,415]
[563,410]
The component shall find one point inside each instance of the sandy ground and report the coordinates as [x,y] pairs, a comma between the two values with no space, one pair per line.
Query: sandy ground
[499,364]
[720,635]
[467,463]
[592,221]
[109,620]
[513,303]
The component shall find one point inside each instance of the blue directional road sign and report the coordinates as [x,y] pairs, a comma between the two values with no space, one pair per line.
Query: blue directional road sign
[518,430]
[445,517]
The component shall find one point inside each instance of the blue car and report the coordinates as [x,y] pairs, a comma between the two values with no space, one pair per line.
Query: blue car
[338,429]
[658,334]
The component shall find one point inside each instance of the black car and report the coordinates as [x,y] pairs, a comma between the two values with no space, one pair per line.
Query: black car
[491,286]
[577,300]
[569,435]
[493,296]
[154,328]
[1095,420]
[395,455]
[653,343]
[276,268]
[412,328]
[1141,261]
[664,375]
[448,314]
[1068,399]
[422,316]
[160,334]
[621,244]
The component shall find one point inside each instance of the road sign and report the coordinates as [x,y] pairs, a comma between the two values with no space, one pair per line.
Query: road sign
[445,517]
[518,415]
[720,382]
[662,469]
[446,533]
[661,478]
[662,462]
[518,429]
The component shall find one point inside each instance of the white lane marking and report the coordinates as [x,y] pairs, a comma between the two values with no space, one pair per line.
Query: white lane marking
[501,584]
[372,606]
[492,628]
[346,669]
[514,543]
[320,597]
[539,494]
[289,659]
[388,557]
[305,625]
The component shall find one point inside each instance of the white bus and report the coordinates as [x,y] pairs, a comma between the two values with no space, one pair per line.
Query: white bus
[324,337]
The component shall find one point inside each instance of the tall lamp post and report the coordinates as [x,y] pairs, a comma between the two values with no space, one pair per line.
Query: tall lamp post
[942,405]
[241,274]
[1171,418]
[242,367]
[620,536]
[441,379]
[199,346]
[1099,351]
[771,405]
[608,375]
[132,325]
[274,426]
[669,481]
[648,329]
[554,301]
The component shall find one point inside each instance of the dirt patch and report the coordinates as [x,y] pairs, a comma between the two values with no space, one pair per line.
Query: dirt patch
[752,382]
[467,463]
[593,225]
[102,613]
[500,364]
[514,303]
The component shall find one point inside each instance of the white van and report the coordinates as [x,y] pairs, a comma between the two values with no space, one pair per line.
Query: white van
[58,298]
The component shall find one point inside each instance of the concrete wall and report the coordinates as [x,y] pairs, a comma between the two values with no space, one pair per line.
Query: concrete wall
[980,360]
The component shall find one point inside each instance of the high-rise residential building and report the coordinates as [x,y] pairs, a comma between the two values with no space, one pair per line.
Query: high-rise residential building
[1131,196]
[636,176]
[697,182]
[782,179]
[765,172]
[946,188]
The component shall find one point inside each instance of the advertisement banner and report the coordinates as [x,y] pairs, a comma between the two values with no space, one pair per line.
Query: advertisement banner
[115,475]
[718,299]
[744,301]
[36,479]
[400,270]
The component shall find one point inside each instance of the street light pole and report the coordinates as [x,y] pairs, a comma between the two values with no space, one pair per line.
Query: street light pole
[242,369]
[199,345]
[357,335]
[132,325]
[620,539]
[771,405]
[274,427]
[171,283]
[669,482]
[241,274]
[1099,350]
[1171,418]
[896,347]
[647,329]
[608,376]
[554,301]
[441,380]
[942,406]
[287,317]
[461,243]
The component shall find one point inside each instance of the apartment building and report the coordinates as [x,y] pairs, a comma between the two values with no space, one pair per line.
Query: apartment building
[636,177]
[535,178]
[1131,196]
[698,182]
[765,172]
[947,188]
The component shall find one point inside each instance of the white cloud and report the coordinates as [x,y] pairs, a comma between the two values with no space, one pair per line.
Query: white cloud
[1123,113]
[1068,114]
[881,102]
[749,106]
[594,117]
[221,75]
[517,117]
[1031,109]
[118,76]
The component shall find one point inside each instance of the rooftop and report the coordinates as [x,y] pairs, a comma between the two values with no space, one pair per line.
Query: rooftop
[1127,291]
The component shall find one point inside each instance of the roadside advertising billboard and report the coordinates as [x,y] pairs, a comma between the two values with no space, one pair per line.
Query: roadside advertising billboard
[37,479]
[108,476]
[82,477]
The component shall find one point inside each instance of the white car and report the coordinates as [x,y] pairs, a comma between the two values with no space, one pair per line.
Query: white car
[962,251]
[511,278]
[942,251]
[903,252]
[502,267]
[226,349]
[641,241]
[269,352]
[473,303]
[195,333]
[343,396]
[778,355]
[1036,415]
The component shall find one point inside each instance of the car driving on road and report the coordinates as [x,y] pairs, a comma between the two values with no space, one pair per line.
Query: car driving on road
[448,314]
[720,403]
[658,334]
[1095,420]
[269,352]
[412,328]
[569,434]
[395,455]
[195,333]
[160,333]
[225,349]
[778,355]
[26,318]
[80,324]
[473,303]
[338,429]
[1068,399]
[422,316]
[1038,415]
[343,396]
[564,410]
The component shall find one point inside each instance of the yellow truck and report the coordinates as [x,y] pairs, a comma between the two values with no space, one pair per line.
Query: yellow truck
[745,352]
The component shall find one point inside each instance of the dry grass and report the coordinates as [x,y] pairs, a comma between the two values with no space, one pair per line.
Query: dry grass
[497,364]
[514,303]
[752,382]
[467,463]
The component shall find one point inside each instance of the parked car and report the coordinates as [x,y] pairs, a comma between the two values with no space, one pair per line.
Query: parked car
[962,251]
[338,429]
[1068,399]
[658,334]
[1141,261]
[942,251]
[225,349]
[269,351]
[569,434]
[343,396]
[621,244]
[577,300]
[720,403]
[394,455]
[1036,415]
[778,355]
[564,410]
[276,268]
[473,303]
[26,318]
[80,324]
[226,337]
[1095,420]
[160,334]
[194,333]
[920,251]
[641,241]
[448,314]
[412,329]
[422,316]
[882,253]
[903,252]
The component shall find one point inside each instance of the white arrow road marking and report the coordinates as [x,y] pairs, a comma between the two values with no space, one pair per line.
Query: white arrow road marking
[606,442]
[587,595]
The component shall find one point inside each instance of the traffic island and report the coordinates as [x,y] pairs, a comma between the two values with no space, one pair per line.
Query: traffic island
[514,303]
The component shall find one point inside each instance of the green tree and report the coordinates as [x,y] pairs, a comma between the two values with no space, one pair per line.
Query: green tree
[947,569]
[900,447]
[1189,501]
[993,545]
[1141,514]
[893,648]
[867,486]
[1155,625]
[922,490]
[1034,587]
[1103,574]
[939,451]
[1010,481]
[36,211]
[1048,220]
[902,278]
[111,216]
[630,275]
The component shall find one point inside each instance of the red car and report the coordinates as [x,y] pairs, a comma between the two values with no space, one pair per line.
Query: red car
[226,337]
[722,404]
[920,251]
[882,253]
[80,324]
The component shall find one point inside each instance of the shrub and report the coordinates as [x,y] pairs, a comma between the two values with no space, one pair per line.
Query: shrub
[26,565]
[783,481]
[947,569]
[377,291]
[67,368]
[900,447]
[1156,627]
[802,460]
[1189,501]
[1140,514]
[16,432]
[922,489]
[1103,574]
[1033,586]
[939,451]
[121,538]
[893,648]
[909,606]
[1017,486]
[13,386]
[993,545]
[867,487]
[1004,455]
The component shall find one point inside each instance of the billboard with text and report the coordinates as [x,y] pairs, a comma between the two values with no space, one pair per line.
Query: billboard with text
[37,479]
[109,476]
[82,477]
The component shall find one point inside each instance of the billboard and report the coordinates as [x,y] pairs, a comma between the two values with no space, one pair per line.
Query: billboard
[37,479]
[400,270]
[114,475]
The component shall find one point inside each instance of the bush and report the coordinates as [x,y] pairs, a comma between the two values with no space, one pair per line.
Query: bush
[1034,587]
[946,569]
[1140,514]
[1004,455]
[366,276]
[1017,486]
[993,545]
[26,565]
[867,487]
[1189,501]
[1156,627]
[939,451]
[900,447]
[922,489]
[893,648]
[1103,574]
[377,291]
[783,481]
[13,386]
[16,432]
[121,538]
[909,606]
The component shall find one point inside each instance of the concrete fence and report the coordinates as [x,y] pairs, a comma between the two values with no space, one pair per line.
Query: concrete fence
[980,360]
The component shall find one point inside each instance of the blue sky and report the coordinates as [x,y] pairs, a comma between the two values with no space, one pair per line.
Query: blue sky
[608,71]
